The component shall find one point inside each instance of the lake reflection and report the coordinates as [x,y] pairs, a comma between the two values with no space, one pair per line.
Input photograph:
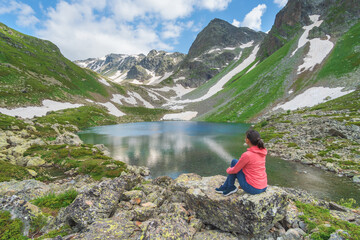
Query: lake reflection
[173,148]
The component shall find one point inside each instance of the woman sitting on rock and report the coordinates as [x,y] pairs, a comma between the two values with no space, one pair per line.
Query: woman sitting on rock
[249,169]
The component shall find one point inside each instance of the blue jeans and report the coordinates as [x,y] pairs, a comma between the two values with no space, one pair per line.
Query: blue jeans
[230,181]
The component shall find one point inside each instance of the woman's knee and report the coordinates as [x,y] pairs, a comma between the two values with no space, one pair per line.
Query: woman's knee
[233,162]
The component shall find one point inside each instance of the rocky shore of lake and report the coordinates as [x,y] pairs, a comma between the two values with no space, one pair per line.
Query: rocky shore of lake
[133,206]
[323,139]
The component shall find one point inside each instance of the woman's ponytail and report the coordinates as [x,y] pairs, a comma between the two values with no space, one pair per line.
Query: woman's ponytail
[255,139]
[260,143]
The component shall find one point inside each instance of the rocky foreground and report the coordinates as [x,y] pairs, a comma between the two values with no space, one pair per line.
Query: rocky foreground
[132,206]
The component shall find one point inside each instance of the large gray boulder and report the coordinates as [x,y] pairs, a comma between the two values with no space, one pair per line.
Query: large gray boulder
[240,212]
[68,138]
[98,202]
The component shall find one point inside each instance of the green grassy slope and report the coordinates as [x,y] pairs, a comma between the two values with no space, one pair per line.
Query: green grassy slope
[253,91]
[32,69]
[203,89]
[345,58]
[248,94]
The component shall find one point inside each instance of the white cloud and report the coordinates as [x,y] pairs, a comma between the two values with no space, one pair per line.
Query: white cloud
[281,3]
[87,28]
[236,23]
[213,5]
[25,14]
[253,18]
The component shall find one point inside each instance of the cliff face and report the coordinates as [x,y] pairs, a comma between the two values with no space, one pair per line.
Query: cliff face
[338,17]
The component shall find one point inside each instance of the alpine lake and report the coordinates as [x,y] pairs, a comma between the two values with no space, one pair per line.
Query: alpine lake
[175,147]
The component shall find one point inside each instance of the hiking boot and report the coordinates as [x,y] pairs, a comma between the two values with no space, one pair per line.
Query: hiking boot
[230,191]
[220,189]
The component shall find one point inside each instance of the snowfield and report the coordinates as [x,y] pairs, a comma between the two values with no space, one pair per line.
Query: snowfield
[319,48]
[180,116]
[112,109]
[313,96]
[220,84]
[30,112]
[103,81]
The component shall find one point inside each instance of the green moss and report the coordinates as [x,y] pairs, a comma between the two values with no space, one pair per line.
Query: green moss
[322,153]
[54,201]
[330,160]
[10,229]
[82,117]
[63,231]
[36,224]
[7,122]
[85,158]
[292,144]
[310,155]
[9,171]
[316,217]
[349,203]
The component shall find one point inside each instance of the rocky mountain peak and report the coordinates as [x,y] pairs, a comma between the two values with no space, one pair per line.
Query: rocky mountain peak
[219,33]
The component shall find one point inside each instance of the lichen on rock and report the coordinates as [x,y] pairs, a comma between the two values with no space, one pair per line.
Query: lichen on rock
[241,212]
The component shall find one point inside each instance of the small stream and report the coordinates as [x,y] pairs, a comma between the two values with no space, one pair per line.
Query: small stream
[173,148]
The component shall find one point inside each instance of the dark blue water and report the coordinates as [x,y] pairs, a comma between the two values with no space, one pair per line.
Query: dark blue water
[173,148]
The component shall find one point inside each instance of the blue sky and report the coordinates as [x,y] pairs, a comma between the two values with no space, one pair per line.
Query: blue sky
[88,28]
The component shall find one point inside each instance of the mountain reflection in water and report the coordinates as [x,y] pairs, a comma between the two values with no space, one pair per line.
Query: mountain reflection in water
[173,148]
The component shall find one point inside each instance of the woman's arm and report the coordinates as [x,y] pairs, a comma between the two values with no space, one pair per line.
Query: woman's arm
[239,165]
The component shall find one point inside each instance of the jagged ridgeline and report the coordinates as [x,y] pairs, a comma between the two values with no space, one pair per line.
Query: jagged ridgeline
[32,69]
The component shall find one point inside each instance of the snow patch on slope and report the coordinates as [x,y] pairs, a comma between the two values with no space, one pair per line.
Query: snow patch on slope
[180,116]
[220,84]
[103,81]
[30,112]
[319,48]
[112,109]
[312,97]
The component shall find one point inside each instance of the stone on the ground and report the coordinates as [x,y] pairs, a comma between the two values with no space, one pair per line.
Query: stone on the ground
[167,226]
[96,203]
[26,189]
[35,162]
[240,212]
[68,138]
[356,179]
[213,235]
[21,209]
[339,235]
[110,229]
[32,172]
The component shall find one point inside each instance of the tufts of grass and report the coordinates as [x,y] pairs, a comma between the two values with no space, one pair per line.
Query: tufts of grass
[349,203]
[10,171]
[292,144]
[63,231]
[10,229]
[316,217]
[85,159]
[54,201]
[310,156]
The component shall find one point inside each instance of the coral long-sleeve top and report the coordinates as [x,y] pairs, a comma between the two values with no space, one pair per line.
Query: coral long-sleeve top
[252,162]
